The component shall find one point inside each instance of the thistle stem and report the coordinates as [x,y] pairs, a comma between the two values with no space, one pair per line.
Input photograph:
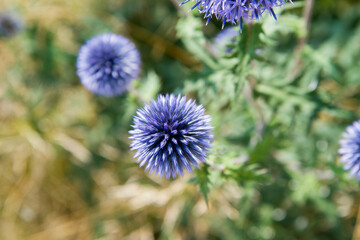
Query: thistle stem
[307,14]
[297,63]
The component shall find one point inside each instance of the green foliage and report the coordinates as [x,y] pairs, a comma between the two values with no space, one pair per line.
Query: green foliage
[201,178]
[271,105]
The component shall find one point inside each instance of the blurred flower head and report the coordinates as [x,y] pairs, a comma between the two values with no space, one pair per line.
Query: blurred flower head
[223,39]
[10,24]
[350,149]
[236,11]
[171,134]
[107,63]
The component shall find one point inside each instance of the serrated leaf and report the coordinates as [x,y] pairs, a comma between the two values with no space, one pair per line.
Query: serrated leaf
[202,180]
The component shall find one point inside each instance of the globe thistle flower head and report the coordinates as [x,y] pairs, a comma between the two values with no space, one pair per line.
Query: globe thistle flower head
[236,11]
[226,11]
[107,63]
[10,24]
[350,149]
[171,134]
[267,5]
[223,39]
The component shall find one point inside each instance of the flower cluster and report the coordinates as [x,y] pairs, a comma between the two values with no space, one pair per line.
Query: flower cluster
[350,149]
[236,11]
[107,63]
[171,134]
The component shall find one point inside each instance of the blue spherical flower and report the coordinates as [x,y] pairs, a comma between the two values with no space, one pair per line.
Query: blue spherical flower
[107,63]
[350,149]
[223,39]
[171,134]
[236,11]
[269,4]
[10,24]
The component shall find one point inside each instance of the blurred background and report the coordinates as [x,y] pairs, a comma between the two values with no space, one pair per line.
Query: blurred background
[66,171]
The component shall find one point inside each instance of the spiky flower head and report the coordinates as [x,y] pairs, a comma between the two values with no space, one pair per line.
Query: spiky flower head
[171,134]
[10,24]
[236,11]
[107,63]
[350,149]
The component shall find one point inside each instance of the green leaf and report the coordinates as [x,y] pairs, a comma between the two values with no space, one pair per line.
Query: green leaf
[190,32]
[202,179]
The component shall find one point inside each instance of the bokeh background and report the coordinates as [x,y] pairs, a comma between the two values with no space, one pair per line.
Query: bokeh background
[66,171]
